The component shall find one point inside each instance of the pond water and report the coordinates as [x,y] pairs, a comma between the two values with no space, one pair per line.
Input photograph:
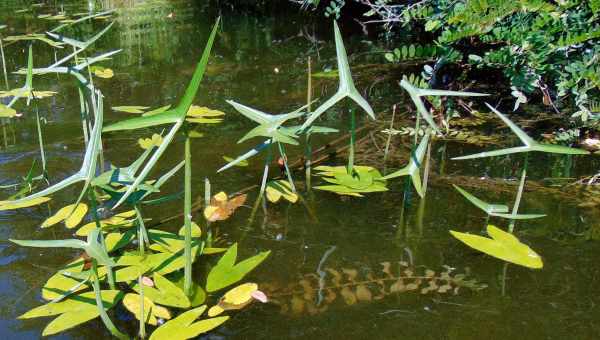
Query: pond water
[260,60]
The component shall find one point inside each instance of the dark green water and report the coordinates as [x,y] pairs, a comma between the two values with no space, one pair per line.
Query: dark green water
[560,301]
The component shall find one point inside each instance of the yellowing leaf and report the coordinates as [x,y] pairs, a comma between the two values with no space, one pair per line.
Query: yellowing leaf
[502,245]
[11,205]
[237,298]
[102,72]
[183,327]
[147,143]
[151,311]
[204,115]
[7,112]
[71,214]
[221,207]
[130,109]
[76,216]
[275,190]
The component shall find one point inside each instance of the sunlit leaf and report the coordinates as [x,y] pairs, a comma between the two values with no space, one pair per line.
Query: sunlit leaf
[226,272]
[148,143]
[185,326]
[7,112]
[164,293]
[102,72]
[235,299]
[12,205]
[502,245]
[73,311]
[59,284]
[133,303]
[130,109]
[72,215]
[276,190]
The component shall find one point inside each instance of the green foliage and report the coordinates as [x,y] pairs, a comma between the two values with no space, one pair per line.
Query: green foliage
[502,245]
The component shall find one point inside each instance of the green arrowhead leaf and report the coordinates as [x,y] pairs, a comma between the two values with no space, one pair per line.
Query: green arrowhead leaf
[502,245]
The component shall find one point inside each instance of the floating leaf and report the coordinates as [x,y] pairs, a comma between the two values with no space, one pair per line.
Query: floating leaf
[130,109]
[204,115]
[71,214]
[151,311]
[73,311]
[226,272]
[157,111]
[221,207]
[12,205]
[148,143]
[59,284]
[183,327]
[236,298]
[7,112]
[165,292]
[363,180]
[276,190]
[102,72]
[502,245]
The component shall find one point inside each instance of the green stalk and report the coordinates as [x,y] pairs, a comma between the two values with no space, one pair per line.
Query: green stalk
[207,197]
[263,184]
[352,140]
[142,233]
[4,64]
[105,319]
[187,219]
[92,198]
[141,315]
[287,168]
[5,138]
[515,210]
[308,149]
[41,142]
[389,139]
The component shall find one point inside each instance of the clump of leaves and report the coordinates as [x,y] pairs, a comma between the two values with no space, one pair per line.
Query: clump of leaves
[364,179]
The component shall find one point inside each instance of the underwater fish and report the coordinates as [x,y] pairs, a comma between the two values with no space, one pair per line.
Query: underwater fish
[313,293]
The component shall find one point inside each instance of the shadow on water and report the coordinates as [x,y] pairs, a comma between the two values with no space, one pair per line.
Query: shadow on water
[260,60]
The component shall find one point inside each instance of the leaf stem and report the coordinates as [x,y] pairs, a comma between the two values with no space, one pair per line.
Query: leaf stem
[187,219]
[105,319]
